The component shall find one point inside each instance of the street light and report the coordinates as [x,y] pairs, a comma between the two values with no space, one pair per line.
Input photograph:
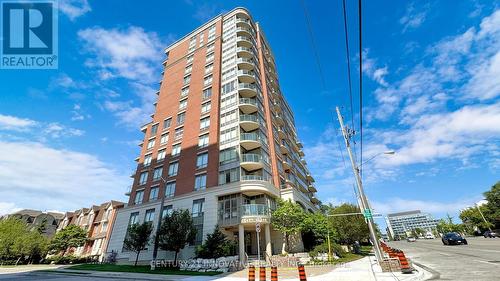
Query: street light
[387,152]
[160,213]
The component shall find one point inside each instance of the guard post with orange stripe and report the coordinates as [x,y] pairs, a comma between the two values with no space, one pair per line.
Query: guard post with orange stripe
[302,273]
[251,273]
[262,273]
[274,273]
[405,265]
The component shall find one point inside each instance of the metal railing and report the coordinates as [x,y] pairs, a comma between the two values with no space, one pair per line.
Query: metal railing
[251,178]
[251,157]
[250,136]
[247,86]
[249,117]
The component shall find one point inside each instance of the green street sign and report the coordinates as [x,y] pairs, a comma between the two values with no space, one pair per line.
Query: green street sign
[367,213]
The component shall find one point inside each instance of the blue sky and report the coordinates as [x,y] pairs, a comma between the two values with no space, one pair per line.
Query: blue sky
[431,92]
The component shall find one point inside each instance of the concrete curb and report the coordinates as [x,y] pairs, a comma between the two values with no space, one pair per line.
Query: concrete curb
[431,273]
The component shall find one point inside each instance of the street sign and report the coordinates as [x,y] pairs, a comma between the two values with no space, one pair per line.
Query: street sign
[257,227]
[367,213]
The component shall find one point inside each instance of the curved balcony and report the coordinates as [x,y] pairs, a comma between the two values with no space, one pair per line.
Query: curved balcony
[284,148]
[281,133]
[250,141]
[276,106]
[309,178]
[315,200]
[251,161]
[251,178]
[301,153]
[244,41]
[249,122]
[243,22]
[252,213]
[246,76]
[248,106]
[303,189]
[244,31]
[311,188]
[245,63]
[244,52]
[247,90]
[287,165]
[279,119]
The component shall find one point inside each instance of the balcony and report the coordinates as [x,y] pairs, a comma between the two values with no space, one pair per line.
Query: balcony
[250,141]
[243,22]
[245,63]
[279,119]
[129,191]
[314,200]
[244,41]
[252,213]
[309,178]
[251,161]
[284,148]
[287,165]
[311,188]
[251,178]
[248,106]
[301,153]
[247,90]
[249,122]
[244,31]
[246,76]
[244,52]
[281,133]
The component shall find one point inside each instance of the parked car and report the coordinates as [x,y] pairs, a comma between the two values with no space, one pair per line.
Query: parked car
[453,238]
[429,235]
[411,239]
[490,234]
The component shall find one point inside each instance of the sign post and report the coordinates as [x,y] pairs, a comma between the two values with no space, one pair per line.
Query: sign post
[257,229]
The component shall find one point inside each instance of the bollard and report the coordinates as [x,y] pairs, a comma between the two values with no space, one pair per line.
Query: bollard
[405,265]
[251,273]
[274,273]
[262,273]
[302,273]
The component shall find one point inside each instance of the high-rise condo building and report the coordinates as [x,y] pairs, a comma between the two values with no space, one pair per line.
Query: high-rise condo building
[222,141]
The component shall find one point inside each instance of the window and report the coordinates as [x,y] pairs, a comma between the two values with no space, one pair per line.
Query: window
[161,154]
[183,104]
[143,178]
[167,211]
[178,133]
[184,91]
[203,141]
[189,59]
[210,57]
[201,39]
[176,150]
[154,129]
[228,176]
[202,160]
[228,155]
[209,68]
[139,196]
[228,87]
[151,143]
[164,138]
[147,160]
[207,93]
[170,189]
[173,168]
[211,33]
[228,135]
[210,48]
[153,193]
[157,173]
[150,215]
[192,44]
[208,80]
[167,123]
[180,118]
[204,123]
[134,218]
[200,182]
[188,69]
[187,79]
[205,108]
[197,209]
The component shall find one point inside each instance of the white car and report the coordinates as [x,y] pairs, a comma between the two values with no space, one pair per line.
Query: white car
[429,236]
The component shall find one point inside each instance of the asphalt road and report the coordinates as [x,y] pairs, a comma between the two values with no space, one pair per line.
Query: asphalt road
[480,260]
[48,276]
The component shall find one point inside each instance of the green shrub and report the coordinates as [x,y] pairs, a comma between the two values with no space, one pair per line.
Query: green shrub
[69,259]
[323,248]
[216,245]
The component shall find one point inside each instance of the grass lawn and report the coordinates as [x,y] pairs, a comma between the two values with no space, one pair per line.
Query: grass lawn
[137,269]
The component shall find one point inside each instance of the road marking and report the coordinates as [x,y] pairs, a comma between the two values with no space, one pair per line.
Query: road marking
[487,262]
[448,255]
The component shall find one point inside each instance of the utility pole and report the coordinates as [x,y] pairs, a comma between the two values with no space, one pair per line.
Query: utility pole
[487,223]
[364,205]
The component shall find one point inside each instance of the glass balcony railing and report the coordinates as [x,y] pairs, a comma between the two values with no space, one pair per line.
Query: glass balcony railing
[246,72]
[248,117]
[248,101]
[249,137]
[251,178]
[255,210]
[247,86]
[251,157]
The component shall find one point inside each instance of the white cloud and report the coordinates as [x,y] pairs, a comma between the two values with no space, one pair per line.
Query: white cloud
[8,208]
[130,53]
[74,8]
[40,177]
[13,123]
[394,205]
[55,130]
[412,19]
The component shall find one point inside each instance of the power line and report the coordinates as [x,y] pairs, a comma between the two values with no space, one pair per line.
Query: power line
[313,44]
[360,84]
[346,32]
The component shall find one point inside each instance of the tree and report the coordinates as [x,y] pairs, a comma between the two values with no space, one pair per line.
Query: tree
[315,229]
[11,230]
[492,210]
[287,219]
[176,231]
[216,245]
[137,238]
[447,225]
[71,236]
[349,228]
[472,219]
[32,245]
